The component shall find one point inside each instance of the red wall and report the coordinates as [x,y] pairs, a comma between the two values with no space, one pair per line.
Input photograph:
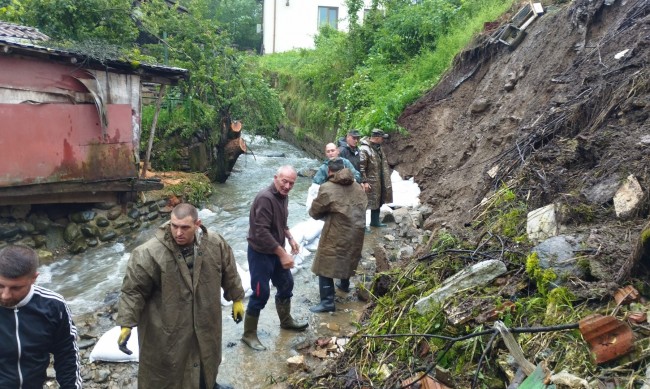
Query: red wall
[59,142]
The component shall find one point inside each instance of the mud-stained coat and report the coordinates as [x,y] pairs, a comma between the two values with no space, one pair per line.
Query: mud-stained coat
[374,170]
[179,321]
[341,203]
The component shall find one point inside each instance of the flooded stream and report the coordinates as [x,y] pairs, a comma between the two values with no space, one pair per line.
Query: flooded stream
[84,280]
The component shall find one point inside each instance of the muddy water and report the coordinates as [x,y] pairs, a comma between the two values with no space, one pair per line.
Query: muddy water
[85,280]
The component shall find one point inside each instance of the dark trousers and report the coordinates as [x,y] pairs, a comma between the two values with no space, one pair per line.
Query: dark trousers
[265,267]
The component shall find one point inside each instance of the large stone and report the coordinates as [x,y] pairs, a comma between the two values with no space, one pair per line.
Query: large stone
[560,254]
[628,198]
[542,223]
[101,221]
[107,235]
[82,217]
[603,191]
[89,230]
[9,231]
[72,232]
[78,246]
[476,275]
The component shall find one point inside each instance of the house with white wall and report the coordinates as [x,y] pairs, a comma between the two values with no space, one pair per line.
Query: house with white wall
[293,24]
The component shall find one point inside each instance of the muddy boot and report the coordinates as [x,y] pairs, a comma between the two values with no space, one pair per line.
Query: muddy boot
[374,219]
[250,333]
[326,288]
[287,322]
[344,285]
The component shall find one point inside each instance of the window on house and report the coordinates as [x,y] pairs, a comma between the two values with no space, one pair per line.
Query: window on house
[328,16]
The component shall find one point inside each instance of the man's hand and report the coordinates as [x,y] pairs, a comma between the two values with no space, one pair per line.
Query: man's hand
[125,334]
[366,186]
[238,311]
[286,260]
[295,248]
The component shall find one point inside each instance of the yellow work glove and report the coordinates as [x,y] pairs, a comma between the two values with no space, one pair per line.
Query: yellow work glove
[238,311]
[125,334]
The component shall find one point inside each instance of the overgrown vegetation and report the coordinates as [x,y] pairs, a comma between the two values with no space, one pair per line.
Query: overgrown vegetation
[199,35]
[396,341]
[364,79]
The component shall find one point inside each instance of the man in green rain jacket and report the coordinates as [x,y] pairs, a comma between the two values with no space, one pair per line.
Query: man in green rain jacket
[172,293]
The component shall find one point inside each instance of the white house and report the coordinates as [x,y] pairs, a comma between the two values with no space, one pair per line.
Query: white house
[292,24]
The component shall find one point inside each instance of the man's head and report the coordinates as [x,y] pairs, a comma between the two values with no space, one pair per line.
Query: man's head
[331,151]
[378,136]
[284,179]
[184,223]
[335,165]
[18,265]
[353,138]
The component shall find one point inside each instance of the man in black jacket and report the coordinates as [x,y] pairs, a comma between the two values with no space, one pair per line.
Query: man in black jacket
[348,148]
[34,323]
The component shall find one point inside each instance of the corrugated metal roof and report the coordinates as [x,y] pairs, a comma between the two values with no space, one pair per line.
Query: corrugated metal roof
[18,32]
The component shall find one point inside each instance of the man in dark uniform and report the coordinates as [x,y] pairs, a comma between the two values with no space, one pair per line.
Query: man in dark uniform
[348,148]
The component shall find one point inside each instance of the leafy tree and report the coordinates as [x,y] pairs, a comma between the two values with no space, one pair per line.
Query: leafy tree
[108,20]
[239,18]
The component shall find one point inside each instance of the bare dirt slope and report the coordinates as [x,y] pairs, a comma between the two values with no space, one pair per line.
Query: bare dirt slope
[558,114]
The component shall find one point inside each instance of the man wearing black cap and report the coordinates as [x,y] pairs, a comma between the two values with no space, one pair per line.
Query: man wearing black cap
[348,148]
[375,174]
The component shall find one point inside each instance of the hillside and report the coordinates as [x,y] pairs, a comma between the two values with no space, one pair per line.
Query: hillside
[561,118]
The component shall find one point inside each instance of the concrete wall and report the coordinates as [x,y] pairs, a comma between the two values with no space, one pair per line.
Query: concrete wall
[292,24]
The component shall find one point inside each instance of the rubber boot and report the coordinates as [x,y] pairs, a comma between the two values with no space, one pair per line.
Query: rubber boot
[374,219]
[326,288]
[250,332]
[283,306]
[344,285]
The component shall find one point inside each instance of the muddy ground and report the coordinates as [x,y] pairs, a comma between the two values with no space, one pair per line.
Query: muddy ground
[561,118]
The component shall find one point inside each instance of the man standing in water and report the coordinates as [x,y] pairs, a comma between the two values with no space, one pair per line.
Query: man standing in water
[171,291]
[34,323]
[267,259]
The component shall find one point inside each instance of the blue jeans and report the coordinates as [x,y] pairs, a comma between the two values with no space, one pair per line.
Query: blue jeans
[265,267]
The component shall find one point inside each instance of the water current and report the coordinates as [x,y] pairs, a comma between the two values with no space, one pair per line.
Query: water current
[85,279]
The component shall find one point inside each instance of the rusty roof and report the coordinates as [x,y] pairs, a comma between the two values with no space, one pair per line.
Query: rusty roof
[18,32]
[159,74]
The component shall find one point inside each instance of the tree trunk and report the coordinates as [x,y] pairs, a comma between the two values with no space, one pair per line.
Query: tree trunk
[230,147]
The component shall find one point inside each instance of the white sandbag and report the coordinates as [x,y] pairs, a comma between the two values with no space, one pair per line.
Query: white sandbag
[106,348]
[245,277]
[312,229]
[224,302]
[313,245]
[406,193]
[312,192]
[297,232]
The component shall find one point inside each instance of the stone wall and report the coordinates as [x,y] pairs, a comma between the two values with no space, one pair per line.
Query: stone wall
[73,228]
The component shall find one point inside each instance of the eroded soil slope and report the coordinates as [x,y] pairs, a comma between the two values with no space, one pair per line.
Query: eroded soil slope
[559,117]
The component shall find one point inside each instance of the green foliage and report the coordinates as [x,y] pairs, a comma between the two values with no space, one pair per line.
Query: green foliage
[106,20]
[505,215]
[194,191]
[542,277]
[365,79]
[445,240]
[224,83]
[240,18]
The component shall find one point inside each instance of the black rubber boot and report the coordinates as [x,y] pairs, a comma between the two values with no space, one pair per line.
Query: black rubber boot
[326,288]
[344,285]
[283,306]
[250,332]
[374,219]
